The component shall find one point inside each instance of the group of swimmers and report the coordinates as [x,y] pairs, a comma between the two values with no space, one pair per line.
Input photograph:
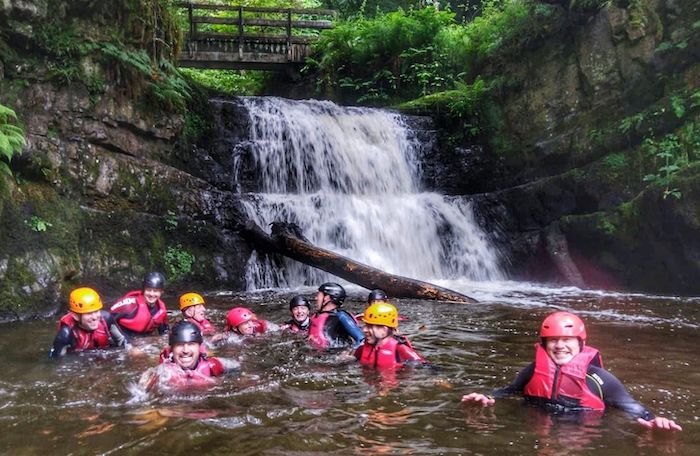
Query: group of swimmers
[566,376]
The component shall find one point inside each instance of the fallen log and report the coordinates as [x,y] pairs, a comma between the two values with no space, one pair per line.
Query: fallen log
[287,240]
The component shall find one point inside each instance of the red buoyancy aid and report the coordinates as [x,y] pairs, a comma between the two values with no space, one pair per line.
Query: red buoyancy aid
[323,333]
[393,353]
[294,326]
[570,379]
[142,321]
[86,340]
[205,326]
[173,376]
[317,333]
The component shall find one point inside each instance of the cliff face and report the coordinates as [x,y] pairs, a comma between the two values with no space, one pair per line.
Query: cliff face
[599,186]
[100,194]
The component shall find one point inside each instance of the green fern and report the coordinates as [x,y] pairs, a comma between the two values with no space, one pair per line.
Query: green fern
[11,138]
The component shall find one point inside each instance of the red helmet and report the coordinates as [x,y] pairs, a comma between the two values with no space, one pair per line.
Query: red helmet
[237,316]
[563,324]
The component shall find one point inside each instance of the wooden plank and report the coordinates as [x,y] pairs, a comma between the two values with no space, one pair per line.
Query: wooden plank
[240,65]
[213,36]
[319,25]
[306,11]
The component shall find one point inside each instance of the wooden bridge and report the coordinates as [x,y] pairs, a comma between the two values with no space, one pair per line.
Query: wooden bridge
[239,37]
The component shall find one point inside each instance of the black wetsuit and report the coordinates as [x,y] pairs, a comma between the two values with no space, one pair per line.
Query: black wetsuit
[65,339]
[598,379]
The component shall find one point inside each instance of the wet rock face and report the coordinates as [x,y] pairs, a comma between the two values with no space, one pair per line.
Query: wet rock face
[575,165]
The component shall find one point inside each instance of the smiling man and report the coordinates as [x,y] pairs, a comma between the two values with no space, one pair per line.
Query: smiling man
[86,326]
[568,376]
[186,366]
[193,310]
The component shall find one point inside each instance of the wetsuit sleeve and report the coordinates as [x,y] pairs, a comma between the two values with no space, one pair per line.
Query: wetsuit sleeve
[62,342]
[615,394]
[119,339]
[119,310]
[351,327]
[518,385]
[163,328]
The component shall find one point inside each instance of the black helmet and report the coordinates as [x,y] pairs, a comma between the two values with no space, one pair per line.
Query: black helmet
[154,280]
[335,291]
[376,295]
[298,301]
[185,331]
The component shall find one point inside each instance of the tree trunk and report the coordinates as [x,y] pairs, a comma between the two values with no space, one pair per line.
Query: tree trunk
[286,239]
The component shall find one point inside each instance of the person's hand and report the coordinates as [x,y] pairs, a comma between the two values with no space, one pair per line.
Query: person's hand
[482,399]
[135,351]
[218,337]
[660,423]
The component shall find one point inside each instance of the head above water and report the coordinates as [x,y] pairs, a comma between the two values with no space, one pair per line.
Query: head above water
[299,301]
[381,313]
[237,316]
[563,324]
[184,332]
[190,299]
[84,300]
[376,295]
[334,291]
[154,280]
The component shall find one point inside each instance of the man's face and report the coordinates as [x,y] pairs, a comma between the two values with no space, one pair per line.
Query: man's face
[247,328]
[562,349]
[89,321]
[375,333]
[300,313]
[152,295]
[186,354]
[197,313]
[320,300]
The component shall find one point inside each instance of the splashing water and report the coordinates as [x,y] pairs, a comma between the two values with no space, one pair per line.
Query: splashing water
[349,178]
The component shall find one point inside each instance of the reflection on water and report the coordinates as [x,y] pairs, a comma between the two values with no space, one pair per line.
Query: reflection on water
[290,399]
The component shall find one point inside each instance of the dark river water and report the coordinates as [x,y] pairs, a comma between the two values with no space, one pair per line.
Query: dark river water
[289,399]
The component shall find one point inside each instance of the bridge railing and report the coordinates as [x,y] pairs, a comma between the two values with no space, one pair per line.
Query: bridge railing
[216,31]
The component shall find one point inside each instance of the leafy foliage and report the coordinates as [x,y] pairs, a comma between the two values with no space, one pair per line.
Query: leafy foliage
[179,262]
[36,223]
[228,82]
[406,54]
[11,138]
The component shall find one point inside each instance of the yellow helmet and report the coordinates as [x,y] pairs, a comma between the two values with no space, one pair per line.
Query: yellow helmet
[84,300]
[381,313]
[190,299]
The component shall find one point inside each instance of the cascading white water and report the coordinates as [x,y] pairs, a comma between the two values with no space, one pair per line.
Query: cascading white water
[349,178]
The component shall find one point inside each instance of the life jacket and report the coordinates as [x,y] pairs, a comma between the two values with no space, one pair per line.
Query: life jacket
[174,376]
[380,357]
[205,326]
[565,385]
[325,330]
[295,326]
[140,319]
[86,340]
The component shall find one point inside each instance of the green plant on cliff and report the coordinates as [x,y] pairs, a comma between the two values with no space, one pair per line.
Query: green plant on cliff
[179,262]
[11,138]
[36,223]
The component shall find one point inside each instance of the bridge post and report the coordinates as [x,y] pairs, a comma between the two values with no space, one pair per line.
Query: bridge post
[289,35]
[240,32]
[192,26]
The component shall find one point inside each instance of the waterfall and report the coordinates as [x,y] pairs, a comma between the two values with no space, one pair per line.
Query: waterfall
[349,177]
